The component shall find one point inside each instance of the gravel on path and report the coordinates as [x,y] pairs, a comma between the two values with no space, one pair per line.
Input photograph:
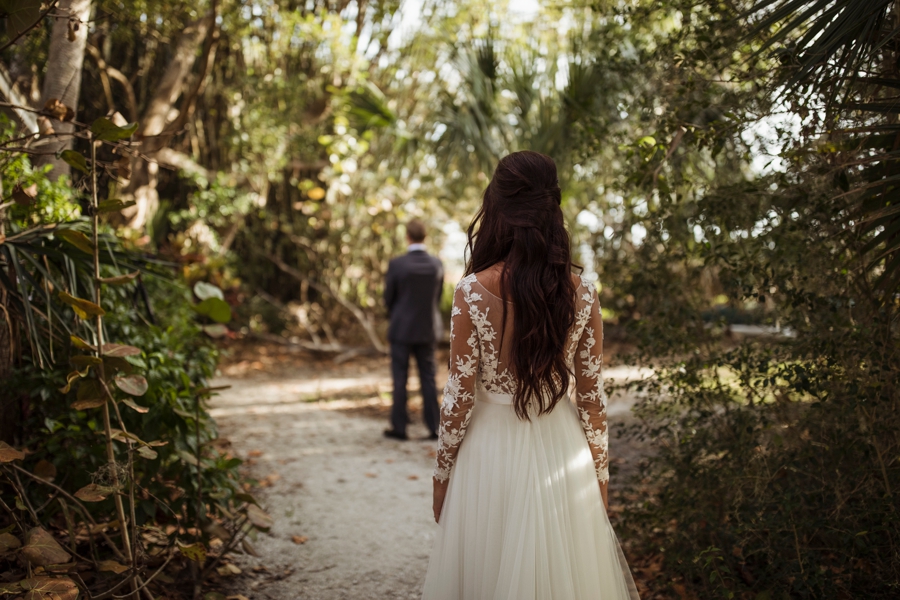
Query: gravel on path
[358,504]
[352,509]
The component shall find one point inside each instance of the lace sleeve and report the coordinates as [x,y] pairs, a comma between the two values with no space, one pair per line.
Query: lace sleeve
[589,395]
[459,393]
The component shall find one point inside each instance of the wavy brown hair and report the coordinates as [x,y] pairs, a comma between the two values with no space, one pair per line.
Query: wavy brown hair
[520,223]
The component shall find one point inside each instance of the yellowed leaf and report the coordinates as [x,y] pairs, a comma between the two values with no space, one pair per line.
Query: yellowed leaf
[112,566]
[9,454]
[195,552]
[228,569]
[93,493]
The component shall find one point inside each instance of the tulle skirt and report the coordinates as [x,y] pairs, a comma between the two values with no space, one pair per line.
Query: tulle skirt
[523,518]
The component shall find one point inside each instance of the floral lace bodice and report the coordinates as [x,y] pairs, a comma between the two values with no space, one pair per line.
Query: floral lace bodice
[477,357]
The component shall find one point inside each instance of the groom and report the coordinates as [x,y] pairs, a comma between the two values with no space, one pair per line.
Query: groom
[412,293]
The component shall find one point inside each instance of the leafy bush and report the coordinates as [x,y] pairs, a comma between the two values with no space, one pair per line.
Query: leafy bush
[177,360]
[776,463]
[112,367]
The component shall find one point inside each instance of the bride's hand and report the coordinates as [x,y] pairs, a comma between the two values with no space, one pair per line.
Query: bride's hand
[604,493]
[440,490]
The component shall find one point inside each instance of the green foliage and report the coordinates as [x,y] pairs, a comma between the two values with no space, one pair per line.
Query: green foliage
[96,355]
[51,202]
[775,468]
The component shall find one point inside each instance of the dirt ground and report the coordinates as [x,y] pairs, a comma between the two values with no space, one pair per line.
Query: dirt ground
[352,508]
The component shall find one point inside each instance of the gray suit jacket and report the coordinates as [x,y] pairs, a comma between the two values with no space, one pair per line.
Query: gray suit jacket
[412,293]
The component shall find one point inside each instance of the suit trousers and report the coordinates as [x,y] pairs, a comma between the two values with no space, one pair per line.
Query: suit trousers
[424,354]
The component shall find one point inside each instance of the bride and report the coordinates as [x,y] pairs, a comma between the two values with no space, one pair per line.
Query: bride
[520,486]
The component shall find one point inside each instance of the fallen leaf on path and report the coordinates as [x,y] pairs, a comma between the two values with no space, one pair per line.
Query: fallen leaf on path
[413,477]
[371,475]
[229,569]
[254,453]
[269,480]
[299,539]
[237,597]
[389,460]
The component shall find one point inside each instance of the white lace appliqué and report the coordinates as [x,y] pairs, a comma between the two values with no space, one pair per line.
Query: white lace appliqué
[475,359]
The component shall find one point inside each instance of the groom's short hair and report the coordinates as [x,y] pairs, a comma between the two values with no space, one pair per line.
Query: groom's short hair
[415,231]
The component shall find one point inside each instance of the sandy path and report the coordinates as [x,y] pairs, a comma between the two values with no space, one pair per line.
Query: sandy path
[363,502]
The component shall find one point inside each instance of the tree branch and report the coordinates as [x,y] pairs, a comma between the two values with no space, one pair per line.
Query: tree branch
[111,72]
[326,289]
[30,27]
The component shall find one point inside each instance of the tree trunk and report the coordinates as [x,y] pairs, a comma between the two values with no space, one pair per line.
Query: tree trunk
[153,132]
[63,78]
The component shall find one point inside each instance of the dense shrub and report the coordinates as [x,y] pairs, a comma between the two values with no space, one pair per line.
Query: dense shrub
[178,360]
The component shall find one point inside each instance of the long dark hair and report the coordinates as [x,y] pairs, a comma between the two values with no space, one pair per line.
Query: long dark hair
[521,223]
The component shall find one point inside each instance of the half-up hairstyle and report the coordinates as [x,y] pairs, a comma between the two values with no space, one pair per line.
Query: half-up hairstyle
[521,224]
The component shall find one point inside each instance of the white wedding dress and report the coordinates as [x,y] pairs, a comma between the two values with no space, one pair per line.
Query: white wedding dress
[523,518]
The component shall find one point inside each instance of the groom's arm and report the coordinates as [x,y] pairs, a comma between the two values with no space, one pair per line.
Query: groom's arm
[440,284]
[390,287]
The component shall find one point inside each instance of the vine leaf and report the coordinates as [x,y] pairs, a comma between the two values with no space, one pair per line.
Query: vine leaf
[9,454]
[83,308]
[195,552]
[41,549]
[135,406]
[72,378]
[84,360]
[119,350]
[90,390]
[214,308]
[215,331]
[120,279]
[77,239]
[75,160]
[147,452]
[135,385]
[80,343]
[114,364]
[90,395]
[106,130]
[94,493]
[205,290]
[87,404]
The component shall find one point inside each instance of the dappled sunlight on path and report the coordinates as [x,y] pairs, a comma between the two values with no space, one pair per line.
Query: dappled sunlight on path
[352,509]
